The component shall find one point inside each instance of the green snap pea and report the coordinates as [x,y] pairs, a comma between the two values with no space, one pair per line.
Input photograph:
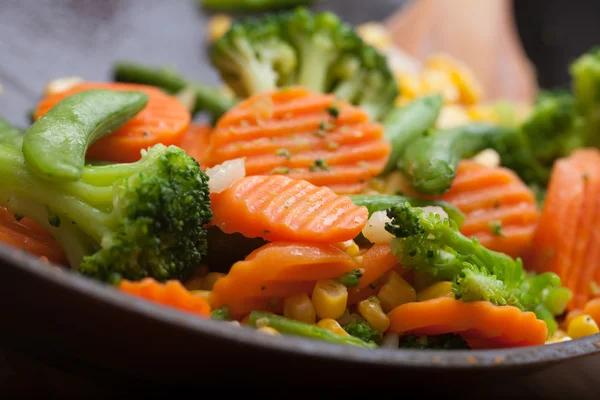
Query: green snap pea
[10,136]
[381,202]
[430,162]
[55,145]
[404,125]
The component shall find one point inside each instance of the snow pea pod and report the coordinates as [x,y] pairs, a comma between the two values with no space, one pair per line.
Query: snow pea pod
[55,145]
[9,135]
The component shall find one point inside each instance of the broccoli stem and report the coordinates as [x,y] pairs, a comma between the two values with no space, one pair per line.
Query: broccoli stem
[252,5]
[297,328]
[314,66]
[207,98]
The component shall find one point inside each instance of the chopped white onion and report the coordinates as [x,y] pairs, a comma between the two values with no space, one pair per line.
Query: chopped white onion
[374,231]
[391,340]
[436,210]
[221,176]
[62,84]
[488,158]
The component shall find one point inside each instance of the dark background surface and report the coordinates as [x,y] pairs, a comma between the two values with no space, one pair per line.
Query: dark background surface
[44,39]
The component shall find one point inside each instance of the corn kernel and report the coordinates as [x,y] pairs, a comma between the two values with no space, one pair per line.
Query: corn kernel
[333,326]
[395,291]
[463,78]
[581,326]
[439,289]
[370,310]
[300,308]
[203,293]
[396,181]
[62,84]
[267,330]
[217,26]
[211,278]
[410,83]
[349,246]
[439,81]
[329,299]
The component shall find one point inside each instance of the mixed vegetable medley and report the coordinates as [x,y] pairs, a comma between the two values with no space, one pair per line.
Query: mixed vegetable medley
[341,192]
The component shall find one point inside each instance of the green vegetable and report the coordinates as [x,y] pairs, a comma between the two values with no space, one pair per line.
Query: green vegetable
[431,246]
[403,125]
[297,328]
[350,279]
[221,314]
[447,341]
[136,220]
[207,98]
[360,329]
[9,135]
[251,5]
[314,50]
[585,82]
[381,202]
[430,162]
[55,145]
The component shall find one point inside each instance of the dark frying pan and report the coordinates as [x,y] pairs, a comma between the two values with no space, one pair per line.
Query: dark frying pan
[86,330]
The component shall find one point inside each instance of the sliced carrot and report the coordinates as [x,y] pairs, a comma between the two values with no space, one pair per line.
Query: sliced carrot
[278,270]
[280,208]
[163,120]
[171,294]
[567,238]
[591,308]
[494,198]
[29,236]
[195,142]
[377,261]
[480,323]
[287,131]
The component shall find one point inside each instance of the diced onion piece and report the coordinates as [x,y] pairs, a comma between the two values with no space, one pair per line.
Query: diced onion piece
[62,84]
[221,176]
[436,210]
[374,231]
[488,158]
[391,340]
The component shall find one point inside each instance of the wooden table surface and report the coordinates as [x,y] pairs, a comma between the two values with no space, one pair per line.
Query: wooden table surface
[42,40]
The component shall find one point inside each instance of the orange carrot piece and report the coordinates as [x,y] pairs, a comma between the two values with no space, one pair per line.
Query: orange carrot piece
[377,261]
[195,142]
[489,196]
[278,270]
[591,308]
[29,236]
[171,294]
[163,120]
[571,315]
[567,238]
[287,131]
[480,323]
[284,209]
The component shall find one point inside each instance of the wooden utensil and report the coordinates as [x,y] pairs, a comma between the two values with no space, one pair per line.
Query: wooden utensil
[482,34]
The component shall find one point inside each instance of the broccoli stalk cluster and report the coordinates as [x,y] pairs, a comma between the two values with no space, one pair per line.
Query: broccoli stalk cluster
[426,243]
[314,50]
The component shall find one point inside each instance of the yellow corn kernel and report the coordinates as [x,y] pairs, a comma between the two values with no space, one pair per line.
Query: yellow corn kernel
[333,326]
[581,326]
[370,310]
[452,115]
[396,181]
[267,330]
[211,278]
[439,289]
[349,246]
[300,308]
[62,84]
[217,26]
[470,90]
[410,84]
[375,34]
[329,299]
[439,81]
[395,291]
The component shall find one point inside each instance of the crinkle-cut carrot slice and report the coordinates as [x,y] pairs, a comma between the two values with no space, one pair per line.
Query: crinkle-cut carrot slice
[482,324]
[195,142]
[171,294]
[306,134]
[278,270]
[30,237]
[163,120]
[279,208]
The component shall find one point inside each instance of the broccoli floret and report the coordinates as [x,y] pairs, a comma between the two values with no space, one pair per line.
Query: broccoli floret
[137,220]
[448,341]
[585,84]
[313,50]
[429,245]
[252,57]
[362,330]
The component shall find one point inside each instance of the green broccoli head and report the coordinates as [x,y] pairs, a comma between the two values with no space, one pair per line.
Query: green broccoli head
[435,247]
[585,77]
[313,50]
[362,330]
[252,56]
[136,220]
